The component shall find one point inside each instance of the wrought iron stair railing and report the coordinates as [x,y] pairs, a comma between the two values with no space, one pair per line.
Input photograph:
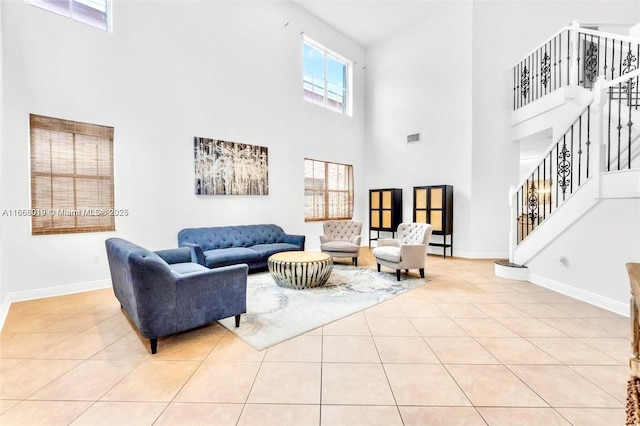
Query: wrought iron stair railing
[573,56]
[563,169]
[568,163]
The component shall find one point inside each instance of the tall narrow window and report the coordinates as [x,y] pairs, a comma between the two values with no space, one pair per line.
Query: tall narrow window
[328,190]
[92,12]
[326,77]
[71,177]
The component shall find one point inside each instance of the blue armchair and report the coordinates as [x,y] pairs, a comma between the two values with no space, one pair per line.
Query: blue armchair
[165,292]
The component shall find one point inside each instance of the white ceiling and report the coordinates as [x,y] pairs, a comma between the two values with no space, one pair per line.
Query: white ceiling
[368,22]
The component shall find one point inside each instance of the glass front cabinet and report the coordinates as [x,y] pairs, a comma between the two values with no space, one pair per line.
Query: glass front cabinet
[385,211]
[434,205]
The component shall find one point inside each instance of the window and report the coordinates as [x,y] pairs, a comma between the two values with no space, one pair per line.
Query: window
[71,177]
[328,190]
[326,77]
[92,12]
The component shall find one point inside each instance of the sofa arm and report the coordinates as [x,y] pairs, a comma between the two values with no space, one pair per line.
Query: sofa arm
[197,254]
[175,255]
[324,239]
[413,255]
[297,240]
[210,295]
[356,240]
[217,276]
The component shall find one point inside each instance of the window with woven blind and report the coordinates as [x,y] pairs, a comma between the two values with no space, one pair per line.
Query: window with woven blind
[328,190]
[71,176]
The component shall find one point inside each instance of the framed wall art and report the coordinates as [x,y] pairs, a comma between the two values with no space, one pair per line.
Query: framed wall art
[230,168]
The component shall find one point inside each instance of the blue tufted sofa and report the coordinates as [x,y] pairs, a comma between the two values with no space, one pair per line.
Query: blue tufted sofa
[164,292]
[229,245]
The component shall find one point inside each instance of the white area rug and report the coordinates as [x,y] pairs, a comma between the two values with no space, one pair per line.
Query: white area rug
[275,314]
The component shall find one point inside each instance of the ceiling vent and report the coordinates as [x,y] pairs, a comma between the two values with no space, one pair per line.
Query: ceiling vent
[415,138]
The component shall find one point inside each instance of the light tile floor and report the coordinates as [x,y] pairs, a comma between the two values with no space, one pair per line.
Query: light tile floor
[467,348]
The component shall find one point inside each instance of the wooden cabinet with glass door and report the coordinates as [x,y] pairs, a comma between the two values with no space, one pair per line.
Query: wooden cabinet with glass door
[385,211]
[434,205]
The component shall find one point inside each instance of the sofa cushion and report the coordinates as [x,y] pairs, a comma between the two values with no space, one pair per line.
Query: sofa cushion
[230,256]
[388,253]
[187,268]
[266,250]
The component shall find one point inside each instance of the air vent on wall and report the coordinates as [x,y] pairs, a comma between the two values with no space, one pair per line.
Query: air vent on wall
[415,138]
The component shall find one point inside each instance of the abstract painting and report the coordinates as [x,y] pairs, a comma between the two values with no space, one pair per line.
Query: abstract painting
[230,168]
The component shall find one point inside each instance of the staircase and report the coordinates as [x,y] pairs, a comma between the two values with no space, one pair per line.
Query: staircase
[576,216]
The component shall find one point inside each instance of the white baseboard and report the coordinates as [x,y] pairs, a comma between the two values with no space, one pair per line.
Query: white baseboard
[22,296]
[603,302]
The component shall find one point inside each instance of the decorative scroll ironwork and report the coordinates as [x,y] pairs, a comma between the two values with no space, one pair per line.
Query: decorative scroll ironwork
[545,70]
[524,82]
[532,203]
[629,63]
[564,168]
[628,90]
[591,62]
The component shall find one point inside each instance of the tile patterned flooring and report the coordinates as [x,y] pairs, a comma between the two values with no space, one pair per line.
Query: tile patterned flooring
[467,348]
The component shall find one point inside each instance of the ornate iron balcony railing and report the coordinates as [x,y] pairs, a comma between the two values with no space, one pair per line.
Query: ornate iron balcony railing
[622,138]
[573,56]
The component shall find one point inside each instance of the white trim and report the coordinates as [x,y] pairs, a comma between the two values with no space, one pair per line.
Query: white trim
[512,272]
[582,295]
[22,296]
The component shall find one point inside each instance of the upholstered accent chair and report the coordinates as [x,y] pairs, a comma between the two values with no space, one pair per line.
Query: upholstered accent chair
[341,239]
[408,251]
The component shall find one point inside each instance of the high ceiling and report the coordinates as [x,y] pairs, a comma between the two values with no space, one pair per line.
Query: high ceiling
[368,22]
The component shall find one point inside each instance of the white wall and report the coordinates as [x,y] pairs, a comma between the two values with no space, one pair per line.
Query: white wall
[419,81]
[170,71]
[595,252]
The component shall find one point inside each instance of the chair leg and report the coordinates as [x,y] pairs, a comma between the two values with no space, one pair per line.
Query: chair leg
[406,270]
[398,274]
[378,267]
[421,272]
[237,321]
[355,261]
[154,345]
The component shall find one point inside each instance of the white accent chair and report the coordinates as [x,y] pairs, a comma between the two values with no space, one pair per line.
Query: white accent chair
[408,251]
[341,239]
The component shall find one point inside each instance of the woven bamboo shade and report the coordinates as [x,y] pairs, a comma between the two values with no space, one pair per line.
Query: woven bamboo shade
[71,176]
[328,190]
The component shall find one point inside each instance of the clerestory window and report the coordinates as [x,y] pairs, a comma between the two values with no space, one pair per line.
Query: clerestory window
[96,13]
[326,77]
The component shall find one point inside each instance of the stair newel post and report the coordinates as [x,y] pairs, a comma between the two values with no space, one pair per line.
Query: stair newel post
[573,61]
[513,229]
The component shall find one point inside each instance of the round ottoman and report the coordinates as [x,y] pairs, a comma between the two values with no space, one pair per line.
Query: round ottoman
[300,269]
